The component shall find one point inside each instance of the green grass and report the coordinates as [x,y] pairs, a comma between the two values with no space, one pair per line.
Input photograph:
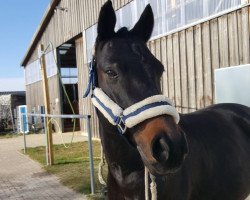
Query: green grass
[71,165]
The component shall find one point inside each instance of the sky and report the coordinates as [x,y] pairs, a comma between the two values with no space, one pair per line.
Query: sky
[19,20]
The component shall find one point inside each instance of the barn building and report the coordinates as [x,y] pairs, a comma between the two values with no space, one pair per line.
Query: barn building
[191,38]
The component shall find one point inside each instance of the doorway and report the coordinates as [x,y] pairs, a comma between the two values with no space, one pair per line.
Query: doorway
[68,84]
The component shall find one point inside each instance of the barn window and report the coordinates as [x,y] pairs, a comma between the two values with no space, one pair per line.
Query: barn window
[172,14]
[32,73]
[69,75]
[91,34]
[33,70]
[169,15]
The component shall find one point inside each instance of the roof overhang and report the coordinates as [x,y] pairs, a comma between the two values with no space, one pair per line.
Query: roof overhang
[21,93]
[39,32]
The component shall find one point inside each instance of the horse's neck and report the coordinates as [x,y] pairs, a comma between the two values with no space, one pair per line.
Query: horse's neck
[126,169]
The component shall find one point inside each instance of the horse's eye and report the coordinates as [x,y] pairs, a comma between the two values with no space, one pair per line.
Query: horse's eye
[111,74]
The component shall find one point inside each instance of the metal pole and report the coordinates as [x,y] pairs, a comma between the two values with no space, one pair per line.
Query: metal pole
[46,140]
[90,156]
[24,136]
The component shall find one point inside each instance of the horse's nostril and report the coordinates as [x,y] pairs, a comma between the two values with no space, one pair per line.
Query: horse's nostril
[160,149]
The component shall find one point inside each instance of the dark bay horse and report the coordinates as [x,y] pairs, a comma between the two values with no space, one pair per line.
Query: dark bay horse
[206,156]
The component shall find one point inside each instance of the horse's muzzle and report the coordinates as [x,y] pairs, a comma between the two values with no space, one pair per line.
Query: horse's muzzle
[162,146]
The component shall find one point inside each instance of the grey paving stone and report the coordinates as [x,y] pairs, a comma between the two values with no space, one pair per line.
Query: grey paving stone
[24,179]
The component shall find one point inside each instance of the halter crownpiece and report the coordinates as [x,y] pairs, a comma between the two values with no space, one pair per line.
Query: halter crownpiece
[127,118]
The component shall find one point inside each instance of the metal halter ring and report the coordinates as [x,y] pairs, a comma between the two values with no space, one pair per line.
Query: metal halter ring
[121,126]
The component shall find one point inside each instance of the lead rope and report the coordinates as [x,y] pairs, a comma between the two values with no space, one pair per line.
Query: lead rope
[100,169]
[146,183]
[153,188]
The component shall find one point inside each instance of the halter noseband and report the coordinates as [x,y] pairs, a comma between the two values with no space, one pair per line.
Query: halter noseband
[148,108]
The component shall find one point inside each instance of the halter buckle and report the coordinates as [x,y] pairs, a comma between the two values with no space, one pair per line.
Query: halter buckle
[121,126]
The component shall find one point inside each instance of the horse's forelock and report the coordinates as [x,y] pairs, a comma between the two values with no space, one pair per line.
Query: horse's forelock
[121,33]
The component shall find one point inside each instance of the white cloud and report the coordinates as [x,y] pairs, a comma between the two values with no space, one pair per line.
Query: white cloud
[12,84]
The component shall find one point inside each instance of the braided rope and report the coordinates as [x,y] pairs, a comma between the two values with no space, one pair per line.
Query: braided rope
[153,186]
[146,183]
[100,169]
[60,132]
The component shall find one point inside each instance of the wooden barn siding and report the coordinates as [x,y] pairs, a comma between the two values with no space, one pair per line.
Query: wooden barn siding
[64,26]
[191,56]
[34,96]
[85,105]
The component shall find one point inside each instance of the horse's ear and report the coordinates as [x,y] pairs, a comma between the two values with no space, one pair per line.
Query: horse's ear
[144,27]
[106,21]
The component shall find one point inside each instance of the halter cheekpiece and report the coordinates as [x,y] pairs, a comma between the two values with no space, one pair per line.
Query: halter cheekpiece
[127,118]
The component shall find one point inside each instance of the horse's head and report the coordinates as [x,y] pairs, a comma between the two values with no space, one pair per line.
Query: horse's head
[128,73]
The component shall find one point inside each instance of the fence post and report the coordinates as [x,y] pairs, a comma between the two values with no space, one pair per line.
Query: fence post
[46,140]
[24,136]
[46,104]
[90,156]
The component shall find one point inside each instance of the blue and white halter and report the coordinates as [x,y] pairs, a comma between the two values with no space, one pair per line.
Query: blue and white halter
[148,108]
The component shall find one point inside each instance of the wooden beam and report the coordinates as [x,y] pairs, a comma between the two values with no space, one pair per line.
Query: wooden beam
[47,107]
